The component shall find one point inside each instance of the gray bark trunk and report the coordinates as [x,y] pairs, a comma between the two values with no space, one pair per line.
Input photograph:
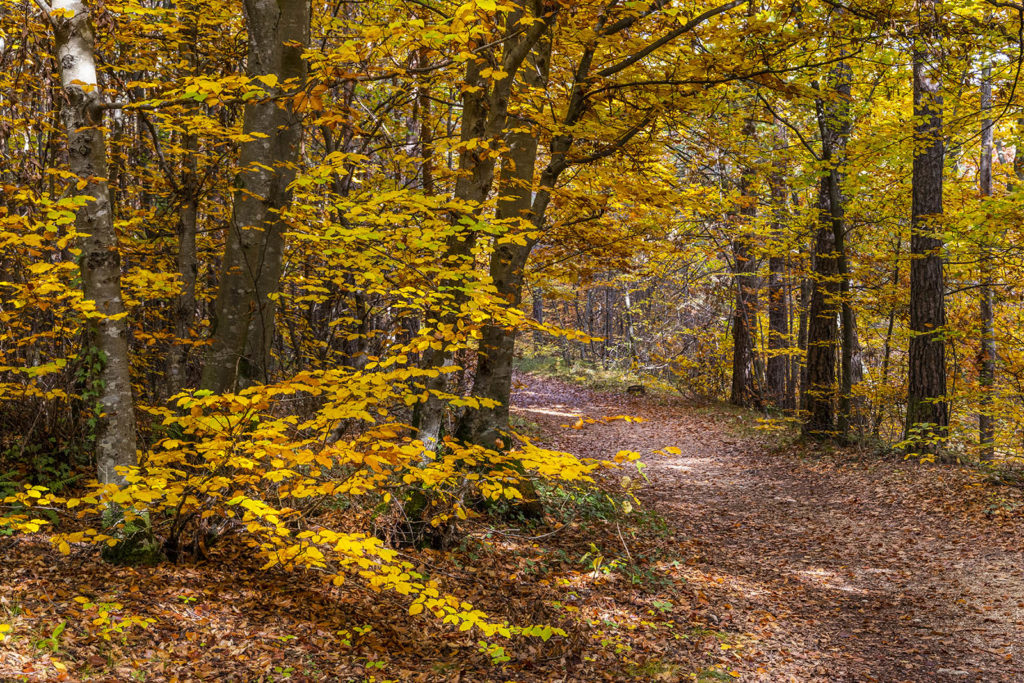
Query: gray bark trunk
[744,321]
[777,373]
[188,214]
[806,294]
[188,270]
[100,259]
[834,121]
[244,313]
[495,353]
[484,117]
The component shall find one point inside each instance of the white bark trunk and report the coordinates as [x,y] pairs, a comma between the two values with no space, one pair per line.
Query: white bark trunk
[100,259]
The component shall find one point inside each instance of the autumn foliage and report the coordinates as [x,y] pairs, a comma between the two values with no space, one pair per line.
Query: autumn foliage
[261,261]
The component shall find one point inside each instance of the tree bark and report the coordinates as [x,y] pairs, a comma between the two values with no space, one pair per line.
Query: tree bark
[188,270]
[188,214]
[927,411]
[496,351]
[244,312]
[822,329]
[744,322]
[609,330]
[777,373]
[986,295]
[834,121]
[100,261]
[806,295]
[484,117]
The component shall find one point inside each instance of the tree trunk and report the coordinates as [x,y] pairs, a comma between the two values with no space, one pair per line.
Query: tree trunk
[793,360]
[887,343]
[987,350]
[777,374]
[927,411]
[495,353]
[822,329]
[806,295]
[188,270]
[609,330]
[834,122]
[537,306]
[484,117]
[744,322]
[107,332]
[244,312]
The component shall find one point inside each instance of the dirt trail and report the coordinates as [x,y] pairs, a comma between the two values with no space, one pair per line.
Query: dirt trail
[839,569]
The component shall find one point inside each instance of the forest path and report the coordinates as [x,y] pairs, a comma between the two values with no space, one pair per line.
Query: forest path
[836,568]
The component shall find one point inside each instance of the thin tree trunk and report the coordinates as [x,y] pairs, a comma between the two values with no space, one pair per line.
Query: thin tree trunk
[608,328]
[987,351]
[629,332]
[244,312]
[107,332]
[188,270]
[792,360]
[927,411]
[777,374]
[835,126]
[887,344]
[806,295]
[537,306]
[591,313]
[744,323]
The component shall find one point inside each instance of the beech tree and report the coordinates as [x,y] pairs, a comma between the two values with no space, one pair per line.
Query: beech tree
[244,312]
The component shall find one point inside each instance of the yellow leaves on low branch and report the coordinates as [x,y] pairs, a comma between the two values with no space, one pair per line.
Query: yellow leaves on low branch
[241,461]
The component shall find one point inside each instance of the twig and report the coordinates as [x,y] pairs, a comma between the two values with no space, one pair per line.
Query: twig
[618,530]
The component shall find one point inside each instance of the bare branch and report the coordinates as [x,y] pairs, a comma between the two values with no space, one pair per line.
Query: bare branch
[668,37]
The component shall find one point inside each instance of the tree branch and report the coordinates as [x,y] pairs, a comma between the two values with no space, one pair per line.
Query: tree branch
[668,37]
[46,9]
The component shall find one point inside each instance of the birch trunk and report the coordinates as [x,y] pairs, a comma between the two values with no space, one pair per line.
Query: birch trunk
[100,259]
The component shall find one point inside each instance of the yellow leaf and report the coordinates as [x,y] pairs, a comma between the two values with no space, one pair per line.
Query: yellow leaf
[269,80]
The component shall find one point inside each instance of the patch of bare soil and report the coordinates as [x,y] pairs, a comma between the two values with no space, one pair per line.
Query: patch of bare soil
[835,567]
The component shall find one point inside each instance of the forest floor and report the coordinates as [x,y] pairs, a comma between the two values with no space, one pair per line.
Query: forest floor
[752,558]
[834,565]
